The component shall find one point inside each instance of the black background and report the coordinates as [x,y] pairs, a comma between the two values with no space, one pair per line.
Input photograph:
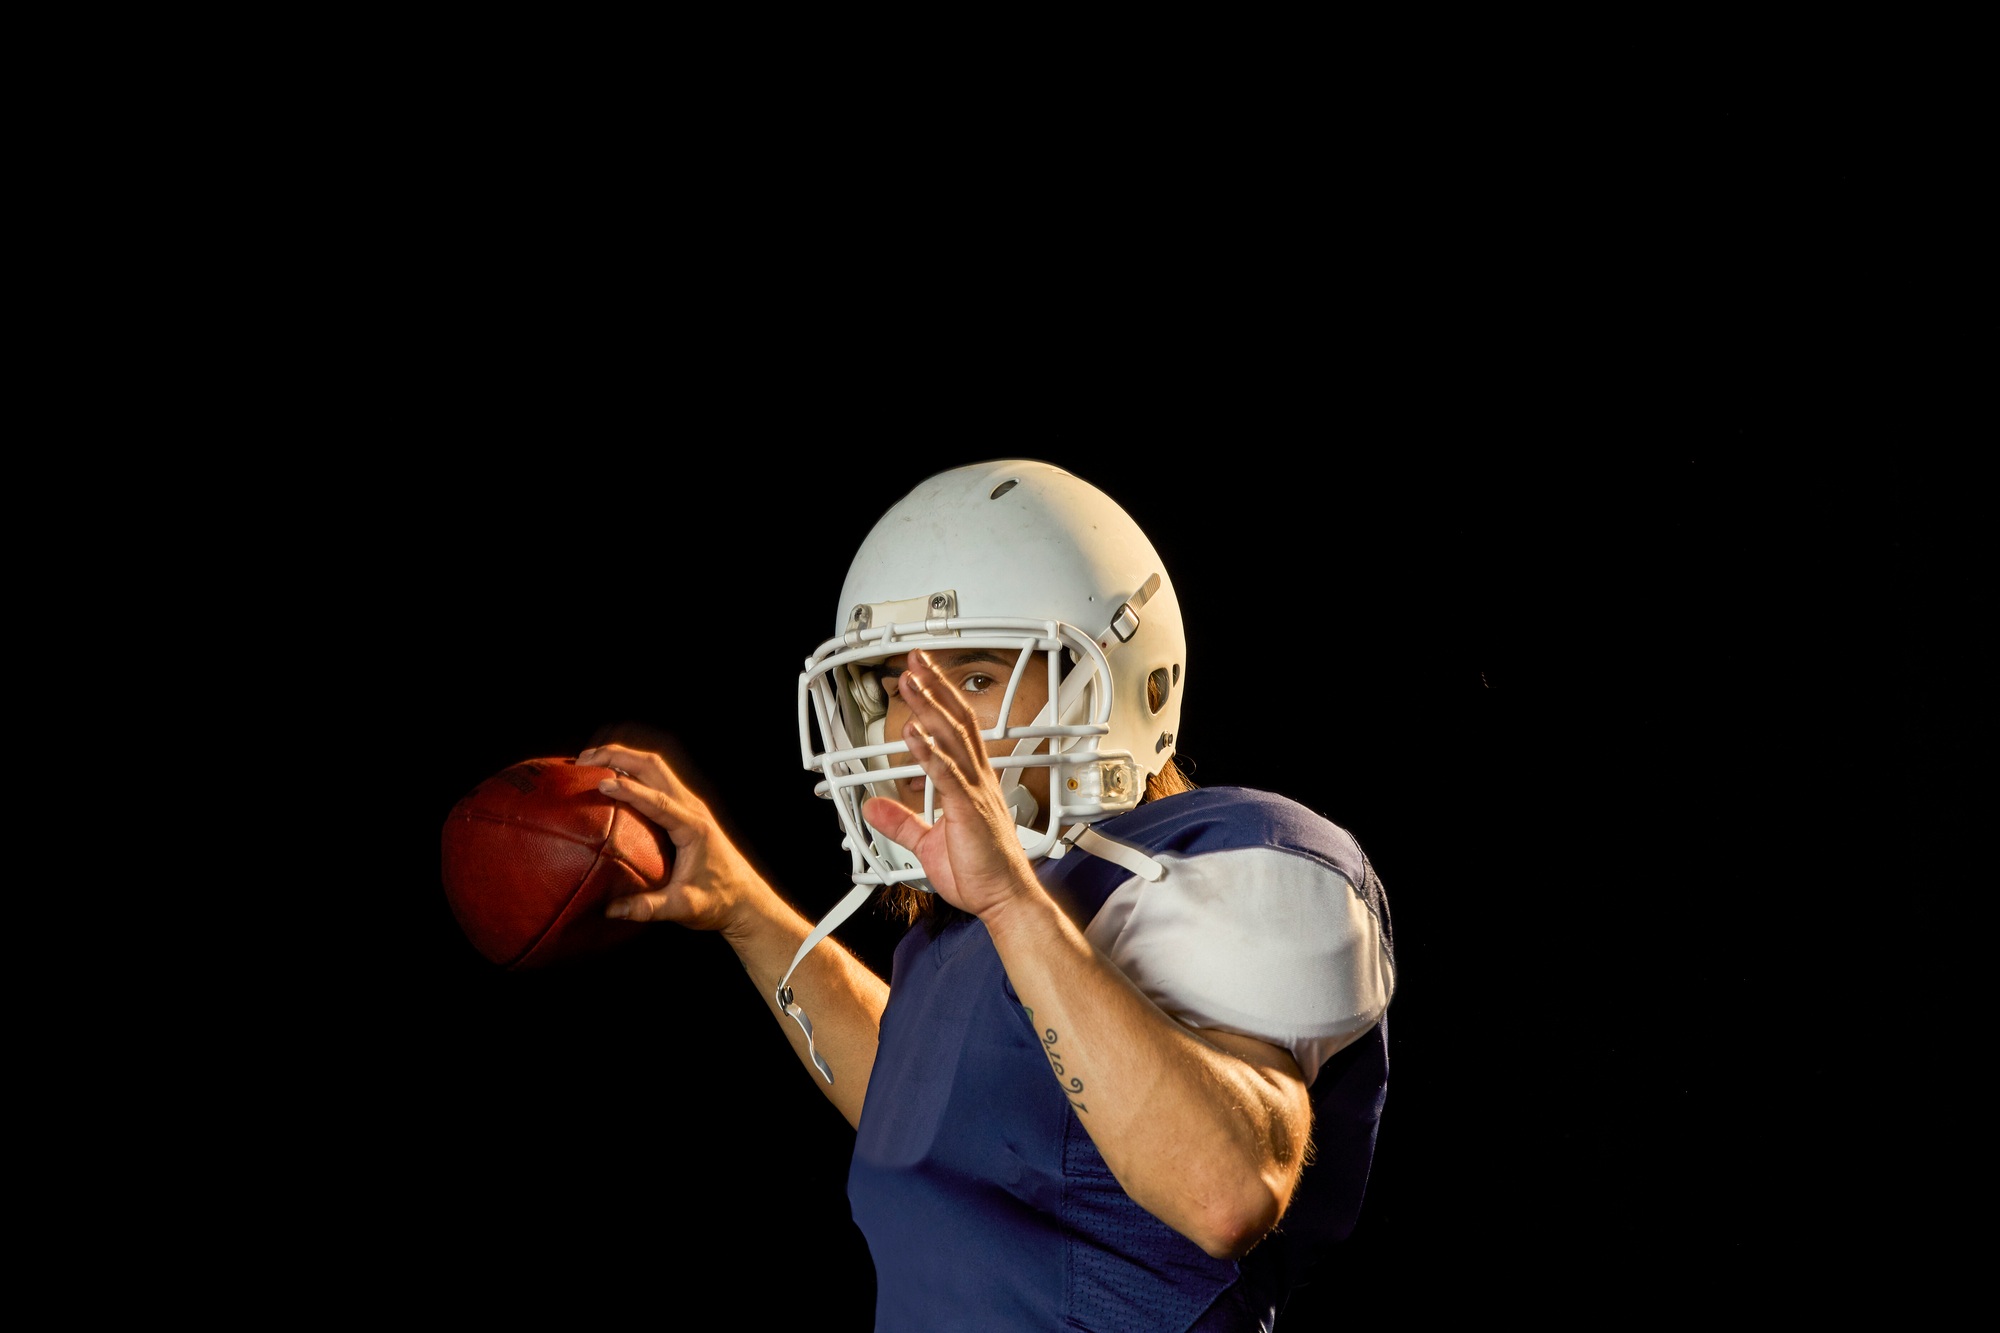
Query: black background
[1571,530]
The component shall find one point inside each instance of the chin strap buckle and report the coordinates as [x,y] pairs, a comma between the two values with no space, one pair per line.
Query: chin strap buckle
[1125,621]
[799,1017]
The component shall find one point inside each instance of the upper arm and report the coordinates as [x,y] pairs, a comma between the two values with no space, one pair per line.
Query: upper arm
[1288,1102]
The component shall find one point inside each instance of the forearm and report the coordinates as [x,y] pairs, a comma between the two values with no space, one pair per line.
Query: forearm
[841,996]
[1208,1142]
[714,886]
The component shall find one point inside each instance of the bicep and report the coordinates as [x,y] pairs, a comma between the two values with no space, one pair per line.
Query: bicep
[1274,1063]
[1280,1088]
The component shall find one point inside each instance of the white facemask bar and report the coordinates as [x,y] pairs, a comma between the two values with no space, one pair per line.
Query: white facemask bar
[847,766]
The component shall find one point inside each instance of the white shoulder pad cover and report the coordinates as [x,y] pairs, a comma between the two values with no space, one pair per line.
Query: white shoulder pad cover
[1258,941]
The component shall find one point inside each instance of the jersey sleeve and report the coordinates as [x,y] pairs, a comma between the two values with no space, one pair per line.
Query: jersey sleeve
[1261,941]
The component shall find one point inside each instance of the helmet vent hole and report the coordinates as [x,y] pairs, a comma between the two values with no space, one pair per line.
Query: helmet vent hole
[1002,489]
[1159,687]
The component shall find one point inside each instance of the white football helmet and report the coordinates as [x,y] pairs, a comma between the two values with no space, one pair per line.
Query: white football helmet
[1011,556]
[1016,556]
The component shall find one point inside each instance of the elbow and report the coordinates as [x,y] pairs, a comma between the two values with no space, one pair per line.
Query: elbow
[1230,1228]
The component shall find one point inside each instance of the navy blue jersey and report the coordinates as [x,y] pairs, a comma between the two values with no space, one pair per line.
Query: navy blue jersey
[984,1201]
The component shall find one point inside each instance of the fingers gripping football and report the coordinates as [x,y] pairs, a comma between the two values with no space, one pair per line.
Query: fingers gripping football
[707,868]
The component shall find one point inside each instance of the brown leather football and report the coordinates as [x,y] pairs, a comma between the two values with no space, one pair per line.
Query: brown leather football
[533,853]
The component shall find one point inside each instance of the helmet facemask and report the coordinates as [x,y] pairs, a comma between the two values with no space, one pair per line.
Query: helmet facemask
[841,695]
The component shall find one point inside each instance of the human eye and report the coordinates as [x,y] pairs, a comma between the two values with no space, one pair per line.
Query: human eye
[976,682]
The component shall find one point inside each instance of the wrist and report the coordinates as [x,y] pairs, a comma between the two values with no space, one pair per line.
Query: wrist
[1025,914]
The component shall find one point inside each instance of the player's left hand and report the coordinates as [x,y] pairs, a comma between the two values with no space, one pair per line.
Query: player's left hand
[971,855]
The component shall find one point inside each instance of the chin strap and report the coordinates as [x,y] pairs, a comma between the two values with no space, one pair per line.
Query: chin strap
[1087,839]
[844,909]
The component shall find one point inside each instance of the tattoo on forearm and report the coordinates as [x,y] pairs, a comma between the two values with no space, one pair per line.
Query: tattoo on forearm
[1073,1086]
